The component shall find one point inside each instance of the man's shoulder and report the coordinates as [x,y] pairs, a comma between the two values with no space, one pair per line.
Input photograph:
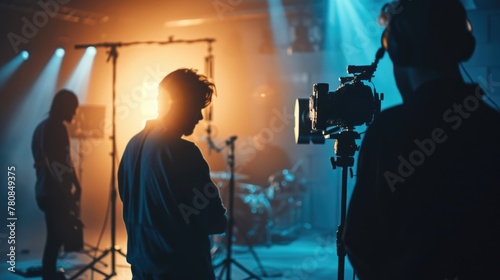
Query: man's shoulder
[185,147]
[157,138]
[49,127]
[39,127]
[391,111]
[390,115]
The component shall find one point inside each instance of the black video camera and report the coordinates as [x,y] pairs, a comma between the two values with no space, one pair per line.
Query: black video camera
[353,103]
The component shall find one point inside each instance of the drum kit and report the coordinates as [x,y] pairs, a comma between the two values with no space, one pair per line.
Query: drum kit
[263,214]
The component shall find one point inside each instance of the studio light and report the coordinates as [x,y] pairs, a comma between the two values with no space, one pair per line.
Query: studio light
[91,51]
[60,52]
[25,54]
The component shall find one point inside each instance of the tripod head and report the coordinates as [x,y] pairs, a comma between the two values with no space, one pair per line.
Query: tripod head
[344,147]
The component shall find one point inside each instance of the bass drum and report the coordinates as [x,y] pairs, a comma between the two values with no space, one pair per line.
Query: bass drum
[286,195]
[252,219]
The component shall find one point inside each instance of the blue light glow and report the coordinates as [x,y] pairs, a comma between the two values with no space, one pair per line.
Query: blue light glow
[352,37]
[25,55]
[60,52]
[9,68]
[32,110]
[279,23]
[80,78]
[91,51]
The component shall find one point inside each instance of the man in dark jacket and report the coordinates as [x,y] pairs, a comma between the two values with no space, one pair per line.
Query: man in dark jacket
[425,204]
[170,205]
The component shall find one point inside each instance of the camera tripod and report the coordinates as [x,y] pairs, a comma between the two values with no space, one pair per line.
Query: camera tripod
[345,147]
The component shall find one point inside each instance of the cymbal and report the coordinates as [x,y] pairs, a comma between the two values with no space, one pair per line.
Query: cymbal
[249,188]
[223,175]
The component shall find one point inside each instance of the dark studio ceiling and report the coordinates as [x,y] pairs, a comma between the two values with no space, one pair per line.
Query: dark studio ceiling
[176,12]
[68,17]
[101,11]
[104,18]
[166,12]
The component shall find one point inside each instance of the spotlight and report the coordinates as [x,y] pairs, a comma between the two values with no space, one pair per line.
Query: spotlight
[25,55]
[91,51]
[60,52]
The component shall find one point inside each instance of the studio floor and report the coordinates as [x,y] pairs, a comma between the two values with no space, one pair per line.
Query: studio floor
[311,254]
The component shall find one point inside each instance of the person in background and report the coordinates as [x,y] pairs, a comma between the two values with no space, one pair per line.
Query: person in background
[57,187]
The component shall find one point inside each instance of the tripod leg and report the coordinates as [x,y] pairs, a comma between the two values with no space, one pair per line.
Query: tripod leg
[119,251]
[224,266]
[93,249]
[219,264]
[91,266]
[252,251]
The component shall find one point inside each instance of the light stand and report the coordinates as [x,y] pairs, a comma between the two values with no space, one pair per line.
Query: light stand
[84,124]
[113,55]
[209,64]
[345,147]
[226,263]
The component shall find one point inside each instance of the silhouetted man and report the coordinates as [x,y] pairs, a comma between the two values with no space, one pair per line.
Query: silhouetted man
[170,205]
[426,200]
[57,187]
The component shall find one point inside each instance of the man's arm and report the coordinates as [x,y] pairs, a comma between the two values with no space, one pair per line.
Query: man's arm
[215,208]
[212,214]
[219,227]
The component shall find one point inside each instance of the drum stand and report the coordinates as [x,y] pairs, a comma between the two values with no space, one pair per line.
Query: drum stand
[226,263]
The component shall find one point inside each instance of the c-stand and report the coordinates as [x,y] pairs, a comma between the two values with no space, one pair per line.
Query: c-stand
[345,147]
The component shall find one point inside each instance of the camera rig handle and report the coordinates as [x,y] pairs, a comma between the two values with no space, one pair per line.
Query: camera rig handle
[365,71]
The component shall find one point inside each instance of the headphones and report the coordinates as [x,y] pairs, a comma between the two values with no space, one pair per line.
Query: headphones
[441,45]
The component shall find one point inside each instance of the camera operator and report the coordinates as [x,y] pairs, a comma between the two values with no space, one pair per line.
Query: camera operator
[426,200]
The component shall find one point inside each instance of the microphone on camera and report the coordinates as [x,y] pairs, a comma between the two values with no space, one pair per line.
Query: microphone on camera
[380,53]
